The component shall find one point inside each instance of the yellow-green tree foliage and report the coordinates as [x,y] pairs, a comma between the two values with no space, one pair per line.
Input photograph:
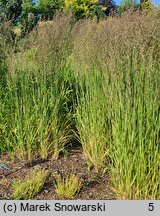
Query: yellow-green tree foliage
[80,8]
[147,5]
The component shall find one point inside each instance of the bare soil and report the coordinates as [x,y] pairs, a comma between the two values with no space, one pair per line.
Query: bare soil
[94,186]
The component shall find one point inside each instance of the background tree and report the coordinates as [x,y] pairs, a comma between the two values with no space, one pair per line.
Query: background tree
[80,8]
[84,8]
[10,9]
[48,8]
[29,16]
[147,5]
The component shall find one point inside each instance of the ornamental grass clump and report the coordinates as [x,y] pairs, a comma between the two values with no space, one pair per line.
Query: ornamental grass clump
[125,51]
[31,186]
[67,185]
[91,120]
[98,82]
[132,89]
[39,116]
[6,41]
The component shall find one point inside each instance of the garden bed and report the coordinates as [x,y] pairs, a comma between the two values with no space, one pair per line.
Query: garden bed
[94,186]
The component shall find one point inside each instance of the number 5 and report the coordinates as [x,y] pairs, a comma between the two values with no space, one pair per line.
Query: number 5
[151,206]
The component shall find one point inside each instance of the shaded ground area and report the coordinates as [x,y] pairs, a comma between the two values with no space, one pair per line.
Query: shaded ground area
[93,186]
